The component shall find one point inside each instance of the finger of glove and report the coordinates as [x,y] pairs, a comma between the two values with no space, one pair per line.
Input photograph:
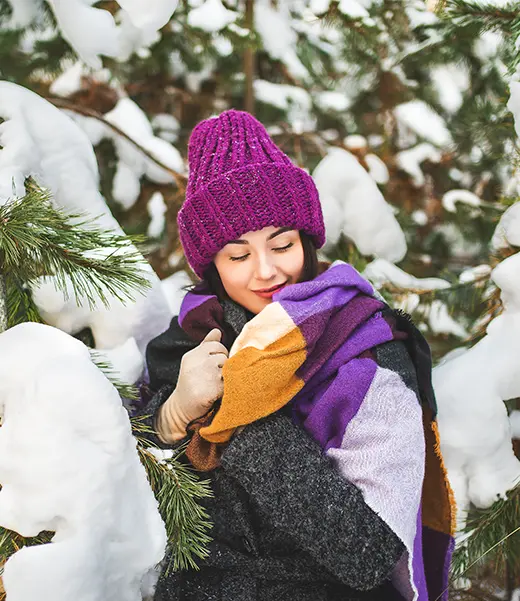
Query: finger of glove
[214,335]
[215,347]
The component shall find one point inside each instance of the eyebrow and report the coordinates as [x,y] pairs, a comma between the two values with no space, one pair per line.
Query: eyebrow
[273,235]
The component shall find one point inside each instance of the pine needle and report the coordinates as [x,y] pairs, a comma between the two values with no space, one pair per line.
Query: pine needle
[178,491]
[38,240]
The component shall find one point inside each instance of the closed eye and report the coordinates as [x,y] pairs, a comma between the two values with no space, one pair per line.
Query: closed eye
[282,248]
[239,258]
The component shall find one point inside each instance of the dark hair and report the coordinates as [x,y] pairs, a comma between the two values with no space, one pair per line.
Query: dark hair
[310,269]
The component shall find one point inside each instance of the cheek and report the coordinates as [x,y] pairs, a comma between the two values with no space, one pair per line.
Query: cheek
[235,279]
[293,262]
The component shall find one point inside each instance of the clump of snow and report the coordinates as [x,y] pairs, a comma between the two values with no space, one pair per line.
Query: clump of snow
[355,142]
[211,16]
[451,81]
[292,99]
[441,322]
[151,15]
[410,160]
[514,420]
[464,196]
[353,9]
[351,198]
[69,464]
[132,164]
[69,81]
[507,232]
[279,39]
[474,273]
[223,46]
[38,139]
[157,210]
[514,104]
[89,30]
[419,217]
[420,119]
[419,16]
[23,13]
[92,31]
[471,390]
[381,272]
[333,101]
[377,169]
[166,126]
[318,7]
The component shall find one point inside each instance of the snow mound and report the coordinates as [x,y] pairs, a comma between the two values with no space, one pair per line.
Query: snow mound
[471,390]
[353,204]
[69,464]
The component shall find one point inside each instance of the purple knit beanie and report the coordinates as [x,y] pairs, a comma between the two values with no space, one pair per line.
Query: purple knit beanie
[239,181]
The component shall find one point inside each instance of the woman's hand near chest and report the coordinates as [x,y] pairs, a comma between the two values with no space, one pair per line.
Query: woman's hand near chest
[199,385]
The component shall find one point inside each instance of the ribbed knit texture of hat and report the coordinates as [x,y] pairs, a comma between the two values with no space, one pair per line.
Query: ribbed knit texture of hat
[239,181]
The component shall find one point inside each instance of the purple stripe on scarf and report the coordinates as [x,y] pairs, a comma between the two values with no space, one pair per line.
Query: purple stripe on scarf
[340,275]
[437,546]
[348,334]
[419,577]
[310,304]
[325,415]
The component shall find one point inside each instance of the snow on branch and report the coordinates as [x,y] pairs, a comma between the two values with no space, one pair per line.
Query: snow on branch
[40,141]
[471,389]
[94,31]
[353,205]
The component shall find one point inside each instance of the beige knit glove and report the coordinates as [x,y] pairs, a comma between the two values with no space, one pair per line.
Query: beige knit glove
[199,385]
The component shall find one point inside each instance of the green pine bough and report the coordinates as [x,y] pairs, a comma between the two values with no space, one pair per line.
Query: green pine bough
[38,240]
[491,534]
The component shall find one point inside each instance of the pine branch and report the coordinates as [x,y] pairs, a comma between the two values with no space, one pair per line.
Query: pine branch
[126,391]
[484,15]
[20,303]
[38,240]
[492,534]
[178,490]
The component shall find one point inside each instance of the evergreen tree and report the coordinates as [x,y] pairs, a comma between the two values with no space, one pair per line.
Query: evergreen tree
[418,97]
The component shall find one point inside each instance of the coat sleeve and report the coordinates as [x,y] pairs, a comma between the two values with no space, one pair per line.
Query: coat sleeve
[298,489]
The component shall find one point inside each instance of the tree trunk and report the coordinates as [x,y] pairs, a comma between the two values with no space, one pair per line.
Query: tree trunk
[249,60]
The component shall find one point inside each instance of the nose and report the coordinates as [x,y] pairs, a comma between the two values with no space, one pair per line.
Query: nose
[265,269]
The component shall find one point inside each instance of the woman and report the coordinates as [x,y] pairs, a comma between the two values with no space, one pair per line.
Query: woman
[301,394]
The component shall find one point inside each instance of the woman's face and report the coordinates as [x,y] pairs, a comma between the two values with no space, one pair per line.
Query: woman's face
[259,264]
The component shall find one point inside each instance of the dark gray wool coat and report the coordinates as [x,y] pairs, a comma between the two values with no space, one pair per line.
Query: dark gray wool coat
[286,525]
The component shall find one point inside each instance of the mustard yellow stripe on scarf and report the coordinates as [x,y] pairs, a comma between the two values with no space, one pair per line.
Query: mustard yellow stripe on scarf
[260,375]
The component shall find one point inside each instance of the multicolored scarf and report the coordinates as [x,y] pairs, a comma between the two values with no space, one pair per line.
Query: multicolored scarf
[313,349]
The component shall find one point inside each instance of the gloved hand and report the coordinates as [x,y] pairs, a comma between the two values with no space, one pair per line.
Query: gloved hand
[199,385]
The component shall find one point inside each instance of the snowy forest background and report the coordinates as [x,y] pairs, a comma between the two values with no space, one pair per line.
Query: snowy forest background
[407,114]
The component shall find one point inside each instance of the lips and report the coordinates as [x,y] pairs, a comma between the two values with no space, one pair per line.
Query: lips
[268,292]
